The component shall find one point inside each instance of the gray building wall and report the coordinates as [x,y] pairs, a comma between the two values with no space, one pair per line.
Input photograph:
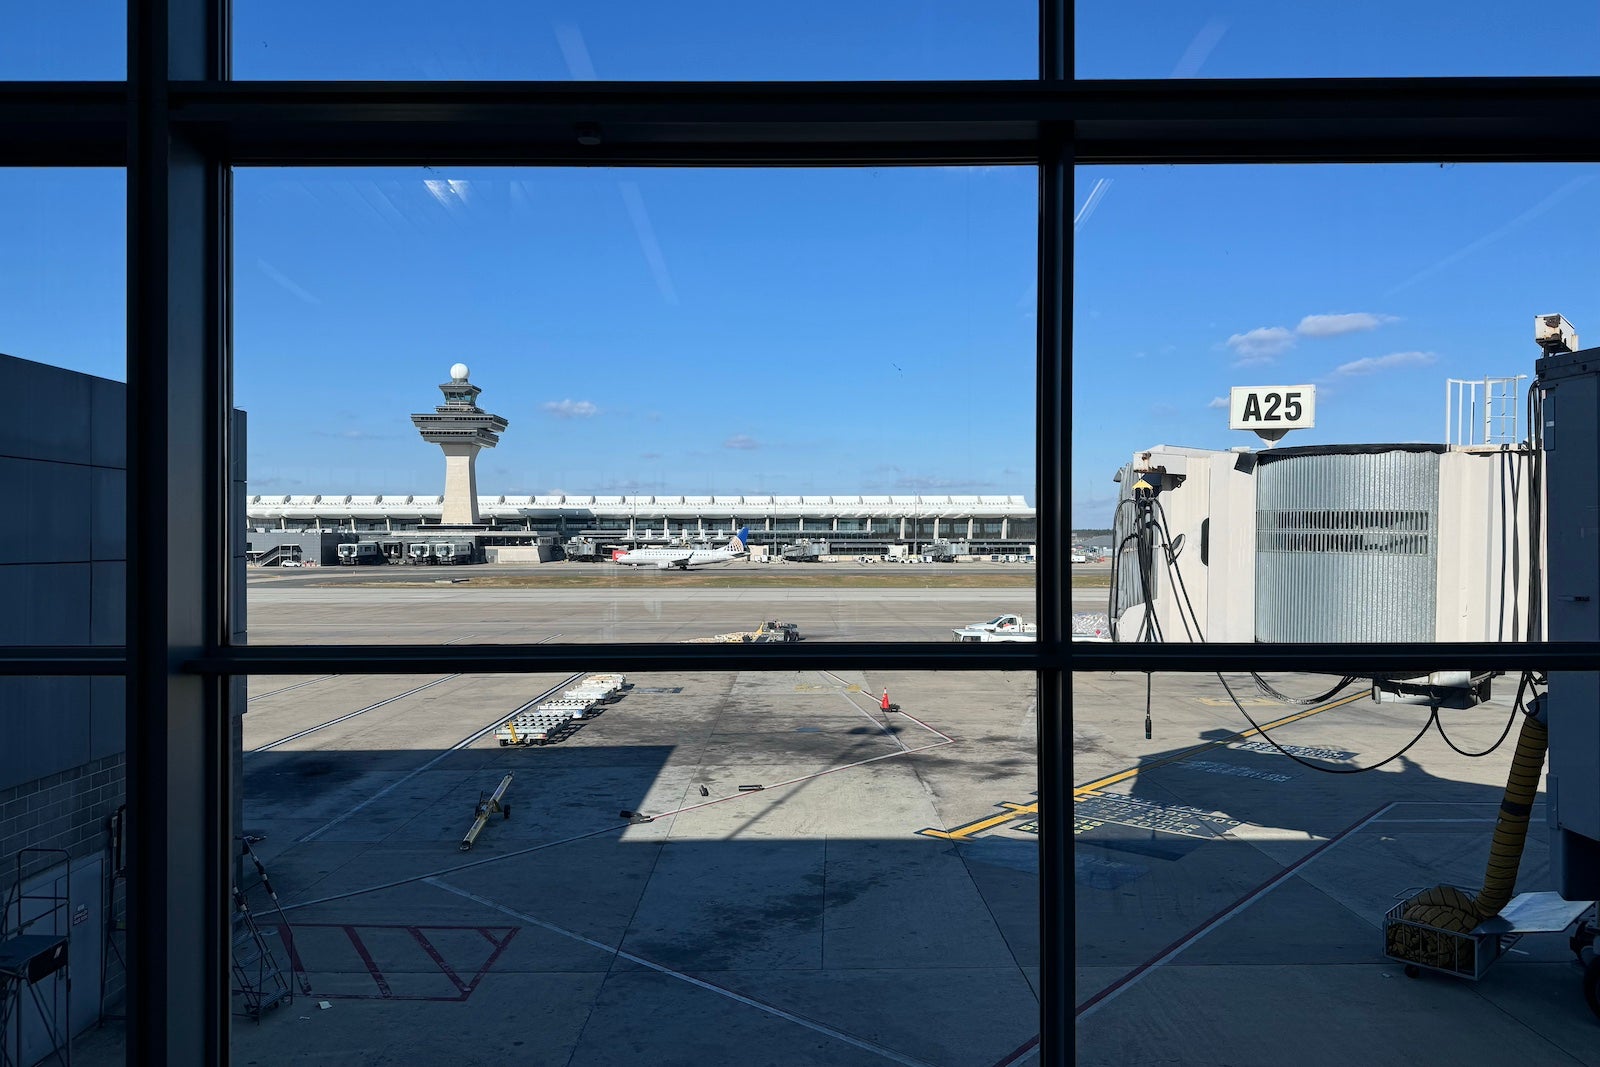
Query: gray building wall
[63,569]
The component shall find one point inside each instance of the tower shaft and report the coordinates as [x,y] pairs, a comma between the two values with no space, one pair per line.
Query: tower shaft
[460,428]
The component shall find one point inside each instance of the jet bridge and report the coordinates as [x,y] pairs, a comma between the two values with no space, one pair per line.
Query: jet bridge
[1567,403]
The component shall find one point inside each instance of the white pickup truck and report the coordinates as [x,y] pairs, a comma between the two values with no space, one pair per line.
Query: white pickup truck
[999,628]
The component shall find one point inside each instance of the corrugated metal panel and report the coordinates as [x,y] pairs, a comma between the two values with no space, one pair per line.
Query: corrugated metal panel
[1347,547]
[1125,552]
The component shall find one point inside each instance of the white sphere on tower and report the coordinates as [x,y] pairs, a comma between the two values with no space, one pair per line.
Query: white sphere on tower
[458,372]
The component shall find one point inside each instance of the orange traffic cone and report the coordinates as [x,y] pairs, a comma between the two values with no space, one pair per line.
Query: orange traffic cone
[885,704]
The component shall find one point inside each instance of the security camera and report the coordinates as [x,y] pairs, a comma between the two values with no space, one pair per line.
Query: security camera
[1554,334]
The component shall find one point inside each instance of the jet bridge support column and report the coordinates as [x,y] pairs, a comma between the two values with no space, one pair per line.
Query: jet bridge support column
[1568,395]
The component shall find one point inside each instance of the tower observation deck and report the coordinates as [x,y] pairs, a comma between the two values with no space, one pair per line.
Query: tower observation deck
[460,428]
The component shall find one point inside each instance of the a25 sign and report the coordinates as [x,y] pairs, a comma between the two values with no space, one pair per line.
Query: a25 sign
[1273,407]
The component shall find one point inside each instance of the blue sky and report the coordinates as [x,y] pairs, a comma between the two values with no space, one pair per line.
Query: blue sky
[898,39]
[1374,283]
[824,331]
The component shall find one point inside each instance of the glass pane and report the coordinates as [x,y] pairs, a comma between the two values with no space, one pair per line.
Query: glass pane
[1213,869]
[1367,38]
[63,278]
[65,40]
[62,835]
[712,40]
[1380,321]
[691,403]
[702,868]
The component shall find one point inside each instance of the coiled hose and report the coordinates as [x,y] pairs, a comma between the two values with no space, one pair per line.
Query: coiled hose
[1444,912]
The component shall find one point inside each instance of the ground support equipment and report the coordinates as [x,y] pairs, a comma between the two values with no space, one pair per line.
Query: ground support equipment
[487,806]
[1471,954]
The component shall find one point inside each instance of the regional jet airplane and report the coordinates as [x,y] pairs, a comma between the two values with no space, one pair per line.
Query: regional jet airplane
[684,558]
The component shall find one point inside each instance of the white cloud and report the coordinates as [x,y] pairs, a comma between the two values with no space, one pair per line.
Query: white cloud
[1218,402]
[570,409]
[742,442]
[451,192]
[1334,325]
[936,484]
[1373,364]
[1260,345]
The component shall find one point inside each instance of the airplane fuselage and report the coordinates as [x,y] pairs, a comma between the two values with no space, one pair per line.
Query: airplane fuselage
[684,557]
[667,558]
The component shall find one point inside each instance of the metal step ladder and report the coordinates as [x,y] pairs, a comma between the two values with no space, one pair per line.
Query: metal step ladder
[256,974]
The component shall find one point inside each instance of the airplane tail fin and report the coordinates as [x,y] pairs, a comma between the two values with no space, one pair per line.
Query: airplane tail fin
[616,554]
[739,541]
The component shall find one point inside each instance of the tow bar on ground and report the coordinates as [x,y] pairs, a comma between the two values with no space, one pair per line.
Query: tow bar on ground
[487,806]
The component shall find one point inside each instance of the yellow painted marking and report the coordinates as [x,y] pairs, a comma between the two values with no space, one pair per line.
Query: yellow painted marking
[962,832]
[1014,810]
[1131,772]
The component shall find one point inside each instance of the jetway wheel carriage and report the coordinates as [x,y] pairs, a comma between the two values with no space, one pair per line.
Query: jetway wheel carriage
[1471,954]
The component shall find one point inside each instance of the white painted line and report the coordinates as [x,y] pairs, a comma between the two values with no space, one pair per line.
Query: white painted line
[458,746]
[398,882]
[740,998]
[890,734]
[297,685]
[1138,974]
[1436,819]
[350,715]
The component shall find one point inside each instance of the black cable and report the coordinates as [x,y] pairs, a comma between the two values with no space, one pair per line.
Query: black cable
[1516,706]
[1433,716]
[1147,682]
[1113,604]
[1116,577]
[1177,572]
[1267,689]
[1535,503]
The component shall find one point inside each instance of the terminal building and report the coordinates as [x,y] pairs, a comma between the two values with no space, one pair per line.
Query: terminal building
[539,528]
[852,525]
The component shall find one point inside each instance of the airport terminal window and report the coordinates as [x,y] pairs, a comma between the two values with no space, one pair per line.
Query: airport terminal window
[684,267]
[1154,127]
[1171,39]
[637,40]
[67,41]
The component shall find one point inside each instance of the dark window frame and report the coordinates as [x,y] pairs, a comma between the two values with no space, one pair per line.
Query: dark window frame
[179,126]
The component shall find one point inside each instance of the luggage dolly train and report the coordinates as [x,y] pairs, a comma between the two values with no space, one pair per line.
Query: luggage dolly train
[539,723]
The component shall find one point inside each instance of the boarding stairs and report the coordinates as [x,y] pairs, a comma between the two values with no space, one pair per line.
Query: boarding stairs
[274,556]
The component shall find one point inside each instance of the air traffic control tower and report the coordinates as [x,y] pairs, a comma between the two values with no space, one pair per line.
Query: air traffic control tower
[460,427]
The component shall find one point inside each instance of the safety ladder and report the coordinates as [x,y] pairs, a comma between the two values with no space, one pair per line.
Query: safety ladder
[39,963]
[256,974]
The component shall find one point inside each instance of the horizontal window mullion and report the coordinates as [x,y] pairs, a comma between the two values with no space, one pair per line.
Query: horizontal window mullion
[532,659]
[63,661]
[1278,120]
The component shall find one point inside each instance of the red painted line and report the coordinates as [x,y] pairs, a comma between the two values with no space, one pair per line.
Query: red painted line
[1021,1051]
[385,991]
[433,954]
[286,935]
[372,968]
